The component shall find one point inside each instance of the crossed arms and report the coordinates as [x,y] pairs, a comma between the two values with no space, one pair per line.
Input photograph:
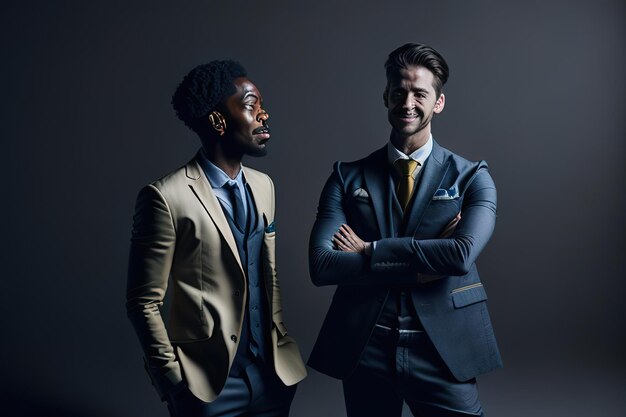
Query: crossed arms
[337,254]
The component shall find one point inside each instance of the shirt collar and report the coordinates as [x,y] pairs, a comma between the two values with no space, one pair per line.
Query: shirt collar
[420,155]
[217,178]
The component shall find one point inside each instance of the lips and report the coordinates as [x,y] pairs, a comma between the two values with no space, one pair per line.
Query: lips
[261,130]
[262,134]
[406,117]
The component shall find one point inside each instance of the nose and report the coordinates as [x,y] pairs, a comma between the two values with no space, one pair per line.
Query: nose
[262,116]
[408,102]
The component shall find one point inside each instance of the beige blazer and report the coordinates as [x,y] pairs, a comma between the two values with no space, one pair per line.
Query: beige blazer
[180,232]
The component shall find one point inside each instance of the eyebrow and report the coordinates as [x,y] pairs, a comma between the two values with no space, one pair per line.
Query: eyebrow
[401,87]
[249,93]
[416,89]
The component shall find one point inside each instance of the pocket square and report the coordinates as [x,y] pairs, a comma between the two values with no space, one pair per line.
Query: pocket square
[360,192]
[269,228]
[447,194]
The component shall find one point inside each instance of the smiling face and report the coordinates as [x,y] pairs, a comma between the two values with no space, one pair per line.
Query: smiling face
[246,131]
[411,101]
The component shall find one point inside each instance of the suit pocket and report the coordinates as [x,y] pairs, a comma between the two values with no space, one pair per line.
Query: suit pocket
[283,336]
[451,193]
[282,330]
[471,294]
[359,201]
[285,340]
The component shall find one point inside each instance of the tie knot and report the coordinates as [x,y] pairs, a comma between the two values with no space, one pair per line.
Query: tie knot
[233,188]
[406,167]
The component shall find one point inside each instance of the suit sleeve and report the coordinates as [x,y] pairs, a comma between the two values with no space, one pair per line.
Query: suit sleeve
[454,255]
[151,253]
[327,265]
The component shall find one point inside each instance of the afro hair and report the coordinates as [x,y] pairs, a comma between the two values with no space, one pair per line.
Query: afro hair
[203,89]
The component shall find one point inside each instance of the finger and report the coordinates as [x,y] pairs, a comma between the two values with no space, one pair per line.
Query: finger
[349,236]
[340,234]
[347,227]
[355,243]
[448,232]
[450,226]
[354,238]
[342,246]
[342,239]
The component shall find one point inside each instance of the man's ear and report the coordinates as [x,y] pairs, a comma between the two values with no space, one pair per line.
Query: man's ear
[440,104]
[385,98]
[218,122]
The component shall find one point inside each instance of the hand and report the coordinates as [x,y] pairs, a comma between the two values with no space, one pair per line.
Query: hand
[178,399]
[348,241]
[447,232]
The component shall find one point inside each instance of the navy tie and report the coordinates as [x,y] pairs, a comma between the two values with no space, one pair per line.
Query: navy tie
[239,214]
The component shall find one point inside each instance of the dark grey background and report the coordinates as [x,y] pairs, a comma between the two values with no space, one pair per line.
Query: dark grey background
[536,88]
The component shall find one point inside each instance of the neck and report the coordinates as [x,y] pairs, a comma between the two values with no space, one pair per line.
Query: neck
[409,144]
[230,164]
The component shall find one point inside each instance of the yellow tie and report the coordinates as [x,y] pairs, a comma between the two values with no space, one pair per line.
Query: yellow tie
[406,168]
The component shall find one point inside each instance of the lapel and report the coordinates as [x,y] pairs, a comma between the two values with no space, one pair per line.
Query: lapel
[432,175]
[376,175]
[260,194]
[200,186]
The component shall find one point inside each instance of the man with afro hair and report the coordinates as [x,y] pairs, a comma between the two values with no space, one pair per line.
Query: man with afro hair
[208,227]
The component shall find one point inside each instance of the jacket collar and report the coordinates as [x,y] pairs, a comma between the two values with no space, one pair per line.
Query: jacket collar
[377,177]
[199,185]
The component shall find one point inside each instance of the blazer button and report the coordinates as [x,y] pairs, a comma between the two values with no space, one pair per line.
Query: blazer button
[233,338]
[237,293]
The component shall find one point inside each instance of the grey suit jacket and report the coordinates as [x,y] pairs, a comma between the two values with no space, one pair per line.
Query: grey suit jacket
[447,293]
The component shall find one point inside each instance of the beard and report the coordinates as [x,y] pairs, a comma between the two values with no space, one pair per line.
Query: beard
[256,152]
[239,145]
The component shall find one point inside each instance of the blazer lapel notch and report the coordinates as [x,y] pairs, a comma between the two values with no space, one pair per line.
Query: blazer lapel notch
[199,185]
[257,187]
[376,176]
[433,173]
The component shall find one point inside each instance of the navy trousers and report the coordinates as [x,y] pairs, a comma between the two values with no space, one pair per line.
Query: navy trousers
[255,392]
[404,366]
